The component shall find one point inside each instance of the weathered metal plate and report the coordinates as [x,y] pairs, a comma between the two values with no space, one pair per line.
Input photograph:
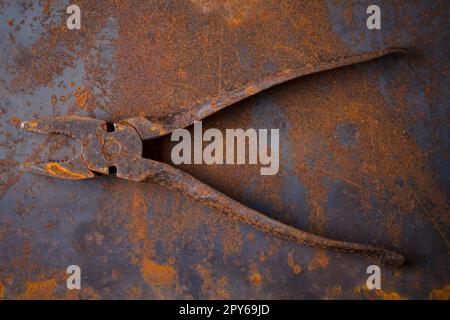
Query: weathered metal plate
[364,148]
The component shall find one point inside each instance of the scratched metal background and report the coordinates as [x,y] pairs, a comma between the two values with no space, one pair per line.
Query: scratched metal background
[364,149]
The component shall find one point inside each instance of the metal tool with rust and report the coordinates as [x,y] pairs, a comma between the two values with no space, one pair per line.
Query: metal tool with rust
[118,146]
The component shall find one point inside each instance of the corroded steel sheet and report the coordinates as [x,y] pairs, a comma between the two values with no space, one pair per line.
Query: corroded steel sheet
[364,148]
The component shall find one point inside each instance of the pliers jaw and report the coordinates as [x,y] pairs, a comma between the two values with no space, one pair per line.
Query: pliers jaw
[76,127]
[72,169]
[103,147]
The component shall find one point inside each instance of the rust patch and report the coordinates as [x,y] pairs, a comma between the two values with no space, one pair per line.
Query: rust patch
[320,261]
[378,293]
[81,99]
[296,268]
[42,290]
[56,169]
[15,121]
[440,294]
[255,278]
[157,274]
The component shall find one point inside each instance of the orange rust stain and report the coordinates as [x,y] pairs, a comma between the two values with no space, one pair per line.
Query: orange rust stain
[157,274]
[317,215]
[15,121]
[235,21]
[32,124]
[390,295]
[320,261]
[254,275]
[81,100]
[440,294]
[378,293]
[54,100]
[56,169]
[2,291]
[252,89]
[136,226]
[296,268]
[42,290]
[181,73]
[239,13]
[255,278]
[172,260]
[158,127]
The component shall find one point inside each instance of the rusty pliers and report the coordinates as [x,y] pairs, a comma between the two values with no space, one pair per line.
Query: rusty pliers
[119,146]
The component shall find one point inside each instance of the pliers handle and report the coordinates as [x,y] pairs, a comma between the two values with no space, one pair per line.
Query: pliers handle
[120,145]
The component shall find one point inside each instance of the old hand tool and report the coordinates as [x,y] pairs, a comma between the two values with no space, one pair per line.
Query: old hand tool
[117,148]
[120,146]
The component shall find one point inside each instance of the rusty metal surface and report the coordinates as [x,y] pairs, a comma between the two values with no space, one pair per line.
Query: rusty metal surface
[364,148]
